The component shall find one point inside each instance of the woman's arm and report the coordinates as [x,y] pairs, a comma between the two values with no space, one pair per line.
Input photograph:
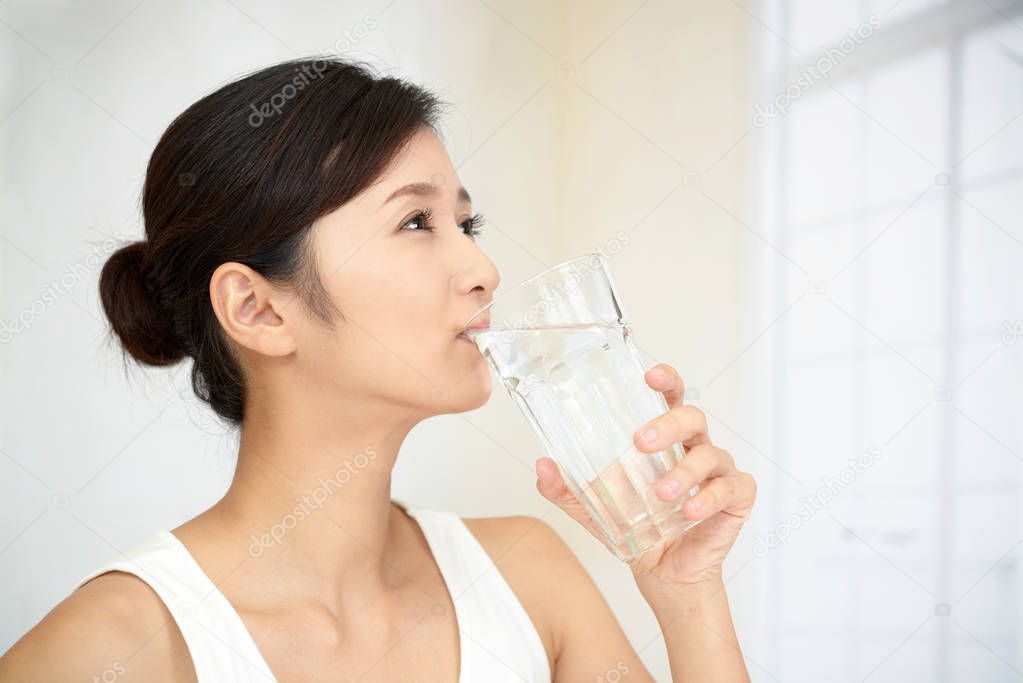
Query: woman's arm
[589,643]
[698,633]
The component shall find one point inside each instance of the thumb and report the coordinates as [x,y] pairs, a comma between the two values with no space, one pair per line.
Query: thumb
[551,486]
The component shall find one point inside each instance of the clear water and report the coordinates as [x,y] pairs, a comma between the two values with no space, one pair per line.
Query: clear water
[582,389]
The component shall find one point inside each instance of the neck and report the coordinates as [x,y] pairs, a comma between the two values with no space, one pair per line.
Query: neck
[311,500]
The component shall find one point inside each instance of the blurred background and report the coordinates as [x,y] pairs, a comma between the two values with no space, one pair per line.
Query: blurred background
[812,210]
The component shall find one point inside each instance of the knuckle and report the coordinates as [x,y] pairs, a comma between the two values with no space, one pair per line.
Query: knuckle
[714,495]
[751,483]
[693,417]
[733,488]
[724,491]
[565,499]
[684,472]
[682,417]
[702,417]
[703,451]
[726,457]
[672,420]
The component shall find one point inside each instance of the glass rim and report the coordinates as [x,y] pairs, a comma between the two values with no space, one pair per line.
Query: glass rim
[545,271]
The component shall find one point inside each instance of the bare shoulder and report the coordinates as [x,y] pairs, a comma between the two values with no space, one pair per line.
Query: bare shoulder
[529,553]
[114,626]
[580,632]
[518,537]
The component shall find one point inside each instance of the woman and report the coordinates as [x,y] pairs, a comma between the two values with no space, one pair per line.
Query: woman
[310,247]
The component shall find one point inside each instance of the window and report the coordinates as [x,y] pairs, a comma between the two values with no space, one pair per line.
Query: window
[889,300]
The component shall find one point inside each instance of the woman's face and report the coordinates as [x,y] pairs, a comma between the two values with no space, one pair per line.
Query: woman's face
[405,291]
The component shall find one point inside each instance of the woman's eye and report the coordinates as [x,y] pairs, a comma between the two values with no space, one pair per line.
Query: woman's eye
[473,225]
[418,222]
[419,219]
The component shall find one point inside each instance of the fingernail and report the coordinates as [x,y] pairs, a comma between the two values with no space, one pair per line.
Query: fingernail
[671,487]
[694,506]
[648,434]
[660,374]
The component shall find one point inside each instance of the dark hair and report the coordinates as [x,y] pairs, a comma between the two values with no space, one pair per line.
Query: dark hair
[240,176]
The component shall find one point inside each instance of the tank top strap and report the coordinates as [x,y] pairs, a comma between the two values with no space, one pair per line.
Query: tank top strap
[498,640]
[218,641]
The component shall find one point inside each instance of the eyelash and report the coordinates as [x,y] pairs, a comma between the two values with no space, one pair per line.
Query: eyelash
[424,215]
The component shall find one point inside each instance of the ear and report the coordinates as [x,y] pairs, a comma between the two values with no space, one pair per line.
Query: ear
[249,309]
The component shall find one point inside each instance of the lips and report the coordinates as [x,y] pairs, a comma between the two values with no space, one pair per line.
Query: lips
[478,325]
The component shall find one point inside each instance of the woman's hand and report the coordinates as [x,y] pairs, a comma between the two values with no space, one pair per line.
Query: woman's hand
[723,504]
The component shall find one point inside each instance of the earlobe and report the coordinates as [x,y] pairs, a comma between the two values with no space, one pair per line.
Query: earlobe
[247,305]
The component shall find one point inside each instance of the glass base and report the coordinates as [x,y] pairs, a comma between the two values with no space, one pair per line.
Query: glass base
[653,530]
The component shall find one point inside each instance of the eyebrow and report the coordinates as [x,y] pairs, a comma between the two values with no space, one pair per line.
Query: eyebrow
[425,190]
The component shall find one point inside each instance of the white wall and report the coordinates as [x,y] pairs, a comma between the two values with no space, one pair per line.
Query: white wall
[573,122]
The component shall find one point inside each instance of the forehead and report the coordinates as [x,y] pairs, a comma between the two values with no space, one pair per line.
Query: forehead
[423,160]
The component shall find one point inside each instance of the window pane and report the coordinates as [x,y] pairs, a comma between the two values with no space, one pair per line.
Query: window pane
[992,102]
[990,253]
[825,175]
[909,100]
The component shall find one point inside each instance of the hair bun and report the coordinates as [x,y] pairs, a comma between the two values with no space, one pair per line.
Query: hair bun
[145,331]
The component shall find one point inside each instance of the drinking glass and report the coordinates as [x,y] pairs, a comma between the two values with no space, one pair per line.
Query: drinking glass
[562,346]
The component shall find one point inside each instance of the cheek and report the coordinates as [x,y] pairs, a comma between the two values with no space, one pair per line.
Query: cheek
[401,316]
[412,315]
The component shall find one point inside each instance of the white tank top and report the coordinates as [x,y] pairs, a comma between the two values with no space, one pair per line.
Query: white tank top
[497,639]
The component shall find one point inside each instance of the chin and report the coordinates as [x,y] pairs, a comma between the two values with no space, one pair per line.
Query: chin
[472,392]
[483,394]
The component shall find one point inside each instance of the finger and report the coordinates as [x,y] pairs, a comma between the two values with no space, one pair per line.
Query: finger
[702,462]
[552,486]
[733,494]
[549,481]
[685,424]
[666,380]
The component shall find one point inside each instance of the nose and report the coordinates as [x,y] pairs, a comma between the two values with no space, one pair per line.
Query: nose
[476,275]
